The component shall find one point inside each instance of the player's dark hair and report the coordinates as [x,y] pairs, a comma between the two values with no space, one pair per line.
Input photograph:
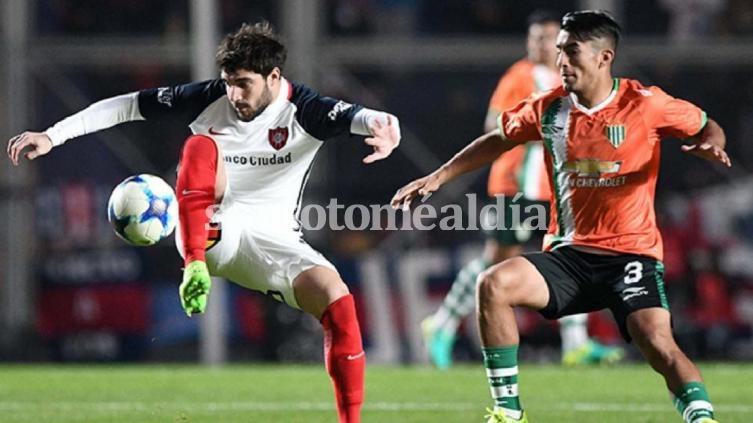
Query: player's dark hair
[585,25]
[254,48]
[543,16]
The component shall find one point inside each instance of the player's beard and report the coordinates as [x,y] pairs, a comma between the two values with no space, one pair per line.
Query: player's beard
[249,113]
[569,83]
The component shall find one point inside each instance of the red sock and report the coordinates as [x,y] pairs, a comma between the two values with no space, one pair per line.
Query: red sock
[344,357]
[197,174]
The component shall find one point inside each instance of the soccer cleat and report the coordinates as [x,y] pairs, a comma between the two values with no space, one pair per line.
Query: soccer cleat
[195,287]
[438,344]
[593,352]
[707,420]
[498,416]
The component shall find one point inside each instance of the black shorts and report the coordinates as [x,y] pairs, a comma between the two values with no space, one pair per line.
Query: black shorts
[529,220]
[581,282]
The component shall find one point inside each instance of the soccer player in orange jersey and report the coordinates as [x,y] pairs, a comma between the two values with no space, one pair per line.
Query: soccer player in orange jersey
[520,177]
[603,248]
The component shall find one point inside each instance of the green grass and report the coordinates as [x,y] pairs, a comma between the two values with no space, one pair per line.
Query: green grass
[258,394]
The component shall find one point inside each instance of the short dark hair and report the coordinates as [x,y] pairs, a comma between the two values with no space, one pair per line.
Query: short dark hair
[585,25]
[543,16]
[253,47]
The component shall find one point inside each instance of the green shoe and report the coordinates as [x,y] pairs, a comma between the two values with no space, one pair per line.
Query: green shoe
[438,344]
[593,352]
[498,416]
[707,420]
[195,287]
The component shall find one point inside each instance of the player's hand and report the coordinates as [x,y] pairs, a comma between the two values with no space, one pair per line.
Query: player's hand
[420,187]
[709,152]
[385,139]
[194,289]
[38,144]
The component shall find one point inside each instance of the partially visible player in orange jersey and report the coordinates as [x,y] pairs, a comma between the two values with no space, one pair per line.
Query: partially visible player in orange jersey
[603,250]
[520,177]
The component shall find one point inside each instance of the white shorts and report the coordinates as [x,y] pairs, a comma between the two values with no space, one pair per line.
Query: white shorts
[252,253]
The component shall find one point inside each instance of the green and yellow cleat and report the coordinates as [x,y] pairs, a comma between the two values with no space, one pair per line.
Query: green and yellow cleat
[498,416]
[438,344]
[194,289]
[593,352]
[707,420]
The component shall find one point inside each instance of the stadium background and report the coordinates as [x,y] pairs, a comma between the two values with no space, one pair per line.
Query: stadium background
[71,291]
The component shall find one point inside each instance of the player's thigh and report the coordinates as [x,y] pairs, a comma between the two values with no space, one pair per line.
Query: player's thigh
[566,275]
[637,283]
[318,287]
[264,261]
[515,282]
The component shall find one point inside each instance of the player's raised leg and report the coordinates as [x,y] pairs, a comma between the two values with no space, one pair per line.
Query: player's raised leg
[514,282]
[320,291]
[201,183]
[651,331]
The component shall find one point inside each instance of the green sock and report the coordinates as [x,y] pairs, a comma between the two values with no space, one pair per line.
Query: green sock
[501,365]
[461,299]
[692,401]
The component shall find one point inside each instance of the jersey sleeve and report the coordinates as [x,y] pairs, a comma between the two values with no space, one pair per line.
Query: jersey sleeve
[180,101]
[522,122]
[674,117]
[322,117]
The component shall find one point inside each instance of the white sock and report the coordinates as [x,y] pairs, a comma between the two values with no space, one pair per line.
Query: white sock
[573,331]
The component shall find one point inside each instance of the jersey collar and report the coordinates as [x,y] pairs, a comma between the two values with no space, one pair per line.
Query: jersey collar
[603,104]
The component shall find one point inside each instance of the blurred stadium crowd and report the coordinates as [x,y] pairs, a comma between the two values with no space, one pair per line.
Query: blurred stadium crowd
[706,213]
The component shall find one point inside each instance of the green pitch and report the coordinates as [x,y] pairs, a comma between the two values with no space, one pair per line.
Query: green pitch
[274,394]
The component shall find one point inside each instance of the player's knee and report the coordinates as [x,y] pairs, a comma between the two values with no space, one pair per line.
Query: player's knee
[337,291]
[497,285]
[198,148]
[317,288]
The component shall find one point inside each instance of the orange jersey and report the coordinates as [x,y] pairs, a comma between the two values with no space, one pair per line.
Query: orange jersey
[521,169]
[603,162]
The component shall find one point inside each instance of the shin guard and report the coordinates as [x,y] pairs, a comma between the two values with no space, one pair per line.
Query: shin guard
[197,174]
[344,357]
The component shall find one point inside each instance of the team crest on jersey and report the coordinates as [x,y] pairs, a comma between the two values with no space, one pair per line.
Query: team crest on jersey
[278,137]
[615,134]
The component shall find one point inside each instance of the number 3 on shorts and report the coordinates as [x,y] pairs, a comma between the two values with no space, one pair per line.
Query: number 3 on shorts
[633,272]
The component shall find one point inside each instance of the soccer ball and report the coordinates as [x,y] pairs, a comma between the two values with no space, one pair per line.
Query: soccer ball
[143,210]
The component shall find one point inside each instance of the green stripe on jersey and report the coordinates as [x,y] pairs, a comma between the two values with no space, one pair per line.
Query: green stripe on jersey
[554,128]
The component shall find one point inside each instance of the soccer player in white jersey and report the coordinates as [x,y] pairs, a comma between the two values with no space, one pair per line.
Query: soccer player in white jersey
[255,135]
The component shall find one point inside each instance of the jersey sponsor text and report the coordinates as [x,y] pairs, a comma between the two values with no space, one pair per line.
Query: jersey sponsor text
[273,159]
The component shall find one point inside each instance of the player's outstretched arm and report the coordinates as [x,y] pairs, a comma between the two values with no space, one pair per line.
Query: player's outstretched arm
[30,144]
[709,144]
[481,151]
[100,115]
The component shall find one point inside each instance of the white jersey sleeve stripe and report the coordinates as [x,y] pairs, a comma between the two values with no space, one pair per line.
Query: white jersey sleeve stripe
[100,115]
